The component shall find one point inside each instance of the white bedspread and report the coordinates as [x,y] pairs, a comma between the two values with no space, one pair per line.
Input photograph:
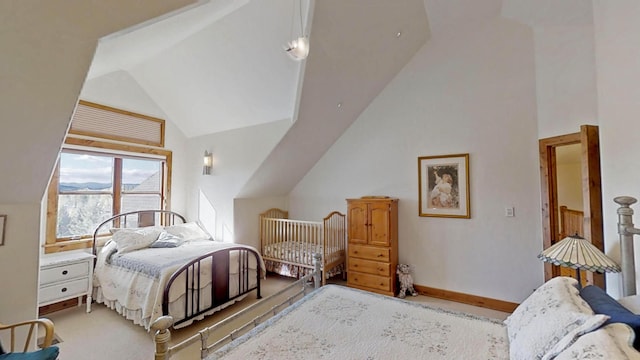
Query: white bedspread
[135,287]
[336,322]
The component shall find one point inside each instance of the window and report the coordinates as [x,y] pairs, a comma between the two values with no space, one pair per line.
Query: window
[112,162]
[93,187]
[92,184]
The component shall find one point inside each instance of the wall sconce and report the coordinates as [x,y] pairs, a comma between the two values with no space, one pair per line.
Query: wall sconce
[208,163]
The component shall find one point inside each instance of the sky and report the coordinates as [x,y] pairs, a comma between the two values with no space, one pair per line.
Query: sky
[82,168]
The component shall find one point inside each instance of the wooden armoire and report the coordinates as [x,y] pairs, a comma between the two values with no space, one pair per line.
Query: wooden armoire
[372,244]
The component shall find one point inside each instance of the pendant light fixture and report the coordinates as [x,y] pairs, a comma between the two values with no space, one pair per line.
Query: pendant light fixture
[298,49]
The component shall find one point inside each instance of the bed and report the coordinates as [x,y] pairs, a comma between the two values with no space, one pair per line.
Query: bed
[288,245]
[152,263]
[559,320]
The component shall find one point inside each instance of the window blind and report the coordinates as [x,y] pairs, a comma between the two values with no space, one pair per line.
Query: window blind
[106,122]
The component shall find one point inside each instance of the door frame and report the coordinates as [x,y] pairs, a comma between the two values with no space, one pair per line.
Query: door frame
[591,193]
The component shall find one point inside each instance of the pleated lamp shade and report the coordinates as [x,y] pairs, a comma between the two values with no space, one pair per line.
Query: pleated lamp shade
[577,253]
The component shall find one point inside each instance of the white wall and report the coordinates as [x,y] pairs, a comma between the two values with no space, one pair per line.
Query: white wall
[565,79]
[570,186]
[617,49]
[247,213]
[464,92]
[19,262]
[236,156]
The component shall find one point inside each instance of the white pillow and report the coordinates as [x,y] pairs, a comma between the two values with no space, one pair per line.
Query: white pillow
[188,231]
[609,342]
[135,238]
[550,320]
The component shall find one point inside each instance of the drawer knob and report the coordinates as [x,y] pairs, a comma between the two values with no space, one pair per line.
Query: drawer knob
[65,272]
[64,290]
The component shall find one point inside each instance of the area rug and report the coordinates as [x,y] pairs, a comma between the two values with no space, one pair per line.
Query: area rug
[337,322]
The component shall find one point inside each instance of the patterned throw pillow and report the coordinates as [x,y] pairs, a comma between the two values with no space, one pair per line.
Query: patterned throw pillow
[166,240]
[136,238]
[601,303]
[609,342]
[550,320]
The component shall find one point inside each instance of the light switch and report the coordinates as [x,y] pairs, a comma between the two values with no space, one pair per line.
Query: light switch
[509,211]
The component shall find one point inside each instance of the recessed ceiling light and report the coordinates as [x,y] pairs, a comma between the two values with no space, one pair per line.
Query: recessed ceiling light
[339,105]
[398,34]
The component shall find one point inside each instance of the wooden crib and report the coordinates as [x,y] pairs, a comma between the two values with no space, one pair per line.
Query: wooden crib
[288,245]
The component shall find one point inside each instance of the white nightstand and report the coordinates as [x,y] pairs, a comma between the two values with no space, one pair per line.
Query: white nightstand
[65,275]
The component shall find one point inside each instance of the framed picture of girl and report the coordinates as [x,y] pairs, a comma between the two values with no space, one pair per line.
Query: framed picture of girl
[443,186]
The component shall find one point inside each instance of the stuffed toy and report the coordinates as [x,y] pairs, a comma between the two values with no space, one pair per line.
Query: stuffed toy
[406,281]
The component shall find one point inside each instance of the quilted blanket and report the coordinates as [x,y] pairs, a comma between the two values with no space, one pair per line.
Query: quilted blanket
[336,322]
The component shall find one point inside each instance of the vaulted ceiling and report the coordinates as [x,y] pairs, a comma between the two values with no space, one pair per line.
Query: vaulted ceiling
[213,67]
[219,64]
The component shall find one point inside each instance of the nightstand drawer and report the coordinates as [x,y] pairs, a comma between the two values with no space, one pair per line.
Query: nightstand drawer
[63,290]
[369,252]
[370,267]
[64,272]
[369,281]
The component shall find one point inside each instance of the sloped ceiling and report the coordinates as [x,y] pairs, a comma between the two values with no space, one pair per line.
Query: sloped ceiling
[214,67]
[47,49]
[357,48]
[220,65]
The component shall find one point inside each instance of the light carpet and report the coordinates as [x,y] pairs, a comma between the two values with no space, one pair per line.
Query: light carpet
[104,334]
[336,322]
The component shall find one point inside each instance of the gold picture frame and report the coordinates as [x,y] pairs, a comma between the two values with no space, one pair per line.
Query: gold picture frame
[443,186]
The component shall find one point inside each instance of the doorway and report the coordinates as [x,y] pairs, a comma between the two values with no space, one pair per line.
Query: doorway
[552,150]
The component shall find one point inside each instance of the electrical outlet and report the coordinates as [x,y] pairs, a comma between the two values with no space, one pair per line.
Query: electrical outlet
[509,212]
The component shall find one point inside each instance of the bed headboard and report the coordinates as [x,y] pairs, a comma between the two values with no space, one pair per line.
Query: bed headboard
[626,230]
[135,219]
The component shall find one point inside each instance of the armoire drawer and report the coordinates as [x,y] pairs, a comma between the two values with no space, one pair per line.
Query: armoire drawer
[369,252]
[370,267]
[369,281]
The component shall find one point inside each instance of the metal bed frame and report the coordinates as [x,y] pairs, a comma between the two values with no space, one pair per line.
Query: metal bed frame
[219,261]
[626,230]
[162,334]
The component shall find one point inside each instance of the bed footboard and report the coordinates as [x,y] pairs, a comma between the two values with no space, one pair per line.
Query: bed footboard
[291,293]
[218,267]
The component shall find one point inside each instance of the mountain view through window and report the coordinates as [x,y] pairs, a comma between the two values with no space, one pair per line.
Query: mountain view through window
[93,187]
